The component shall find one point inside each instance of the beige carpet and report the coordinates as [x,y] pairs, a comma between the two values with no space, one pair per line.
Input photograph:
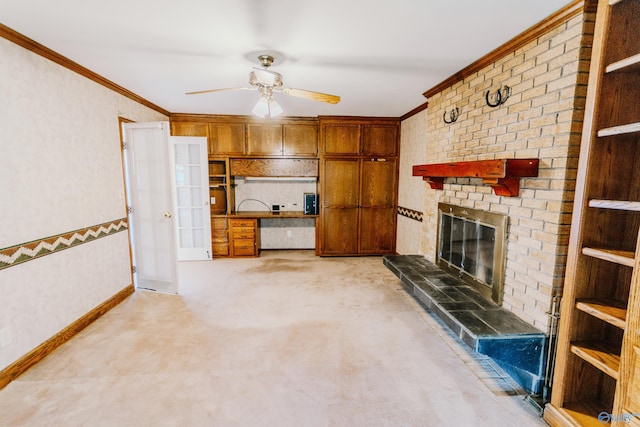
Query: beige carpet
[286,339]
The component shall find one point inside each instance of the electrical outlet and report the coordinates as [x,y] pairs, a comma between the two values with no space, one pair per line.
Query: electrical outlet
[213,200]
[289,233]
[5,337]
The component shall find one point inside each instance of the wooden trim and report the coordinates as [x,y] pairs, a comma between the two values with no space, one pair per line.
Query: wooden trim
[20,366]
[415,111]
[228,118]
[546,25]
[51,55]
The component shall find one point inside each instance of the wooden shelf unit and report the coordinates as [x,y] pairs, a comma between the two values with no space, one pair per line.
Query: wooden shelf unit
[596,373]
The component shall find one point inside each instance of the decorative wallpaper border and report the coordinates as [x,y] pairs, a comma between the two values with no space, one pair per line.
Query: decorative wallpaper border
[410,213]
[38,248]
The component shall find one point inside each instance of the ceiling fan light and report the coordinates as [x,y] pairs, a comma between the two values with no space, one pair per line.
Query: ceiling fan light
[261,109]
[275,109]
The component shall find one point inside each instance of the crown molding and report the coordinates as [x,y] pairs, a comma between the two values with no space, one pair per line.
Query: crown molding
[45,52]
[560,17]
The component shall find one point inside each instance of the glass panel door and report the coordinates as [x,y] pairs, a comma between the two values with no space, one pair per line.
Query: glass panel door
[191,186]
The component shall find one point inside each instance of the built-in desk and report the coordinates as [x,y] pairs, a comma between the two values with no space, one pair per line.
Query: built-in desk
[244,232]
[271,215]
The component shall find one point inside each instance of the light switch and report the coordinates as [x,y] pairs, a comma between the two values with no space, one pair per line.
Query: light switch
[213,200]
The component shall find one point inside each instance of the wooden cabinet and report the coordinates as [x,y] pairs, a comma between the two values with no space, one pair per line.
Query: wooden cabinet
[596,376]
[227,139]
[219,236]
[359,138]
[239,136]
[224,138]
[295,139]
[274,167]
[339,201]
[264,140]
[244,237]
[340,138]
[378,196]
[358,190]
[221,199]
[378,140]
[300,139]
[220,186]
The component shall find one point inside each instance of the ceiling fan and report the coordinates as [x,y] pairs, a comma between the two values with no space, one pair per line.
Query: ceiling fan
[266,82]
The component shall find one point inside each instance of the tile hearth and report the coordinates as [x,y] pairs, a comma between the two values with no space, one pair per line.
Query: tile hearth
[486,327]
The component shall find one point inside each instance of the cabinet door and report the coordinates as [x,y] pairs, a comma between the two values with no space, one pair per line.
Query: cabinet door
[219,236]
[339,214]
[189,129]
[341,139]
[300,140]
[377,230]
[226,138]
[264,140]
[377,223]
[339,231]
[380,140]
[378,183]
[340,183]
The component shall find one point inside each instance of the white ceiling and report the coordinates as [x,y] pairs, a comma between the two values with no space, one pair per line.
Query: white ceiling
[379,56]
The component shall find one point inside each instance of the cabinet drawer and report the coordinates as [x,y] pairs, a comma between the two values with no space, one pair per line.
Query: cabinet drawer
[244,247]
[242,223]
[244,233]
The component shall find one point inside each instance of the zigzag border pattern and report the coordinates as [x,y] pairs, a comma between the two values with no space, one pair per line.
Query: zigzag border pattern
[38,248]
[410,213]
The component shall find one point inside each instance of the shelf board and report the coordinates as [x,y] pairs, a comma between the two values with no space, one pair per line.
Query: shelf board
[612,255]
[624,205]
[612,312]
[612,2]
[503,175]
[620,130]
[630,64]
[598,354]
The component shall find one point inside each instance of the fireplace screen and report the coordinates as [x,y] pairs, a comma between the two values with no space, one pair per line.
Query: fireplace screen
[471,245]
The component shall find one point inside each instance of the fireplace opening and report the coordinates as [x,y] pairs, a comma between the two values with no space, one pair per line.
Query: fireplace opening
[471,245]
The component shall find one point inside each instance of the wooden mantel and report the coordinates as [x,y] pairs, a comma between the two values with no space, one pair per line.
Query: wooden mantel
[503,175]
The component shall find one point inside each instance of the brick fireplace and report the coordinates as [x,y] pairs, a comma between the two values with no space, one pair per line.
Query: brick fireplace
[541,119]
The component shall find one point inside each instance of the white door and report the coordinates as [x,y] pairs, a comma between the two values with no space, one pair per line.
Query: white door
[190,176]
[151,206]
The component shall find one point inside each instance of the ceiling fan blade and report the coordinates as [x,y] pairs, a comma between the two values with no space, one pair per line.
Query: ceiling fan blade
[316,96]
[219,90]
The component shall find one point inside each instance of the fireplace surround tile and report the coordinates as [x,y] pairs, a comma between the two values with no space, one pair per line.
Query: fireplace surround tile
[486,327]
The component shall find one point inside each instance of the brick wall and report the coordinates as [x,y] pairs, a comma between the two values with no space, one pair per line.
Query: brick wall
[541,119]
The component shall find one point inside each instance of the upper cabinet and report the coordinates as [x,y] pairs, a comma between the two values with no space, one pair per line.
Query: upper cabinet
[360,137]
[300,139]
[227,139]
[238,136]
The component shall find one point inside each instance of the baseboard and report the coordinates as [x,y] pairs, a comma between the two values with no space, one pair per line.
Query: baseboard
[20,366]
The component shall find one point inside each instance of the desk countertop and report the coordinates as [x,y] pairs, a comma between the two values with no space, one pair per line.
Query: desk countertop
[265,214]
